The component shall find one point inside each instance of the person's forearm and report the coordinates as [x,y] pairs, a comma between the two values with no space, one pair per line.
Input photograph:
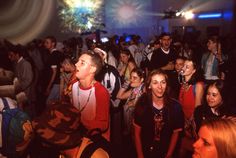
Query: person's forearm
[138,143]
[51,80]
[173,142]
[123,93]
[122,71]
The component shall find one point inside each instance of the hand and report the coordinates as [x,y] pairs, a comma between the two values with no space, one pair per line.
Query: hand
[125,85]
[219,53]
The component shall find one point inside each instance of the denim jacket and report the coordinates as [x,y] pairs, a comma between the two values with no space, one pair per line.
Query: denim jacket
[215,69]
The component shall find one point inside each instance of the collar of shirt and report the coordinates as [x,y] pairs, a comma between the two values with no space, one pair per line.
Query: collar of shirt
[166,52]
[54,49]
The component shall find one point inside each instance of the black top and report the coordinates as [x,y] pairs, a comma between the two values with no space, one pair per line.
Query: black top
[175,85]
[55,58]
[160,59]
[157,125]
[204,112]
[110,78]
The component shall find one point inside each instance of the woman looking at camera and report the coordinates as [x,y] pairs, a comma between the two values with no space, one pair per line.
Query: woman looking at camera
[215,105]
[158,119]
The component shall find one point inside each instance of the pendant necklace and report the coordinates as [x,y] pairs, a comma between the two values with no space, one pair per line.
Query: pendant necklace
[84,106]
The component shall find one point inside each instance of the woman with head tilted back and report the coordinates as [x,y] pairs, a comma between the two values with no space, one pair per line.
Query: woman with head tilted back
[158,119]
[217,139]
[190,96]
[214,105]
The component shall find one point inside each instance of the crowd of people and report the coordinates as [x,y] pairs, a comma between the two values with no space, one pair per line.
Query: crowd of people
[146,101]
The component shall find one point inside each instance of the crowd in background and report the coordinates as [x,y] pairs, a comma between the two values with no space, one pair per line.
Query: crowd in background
[154,96]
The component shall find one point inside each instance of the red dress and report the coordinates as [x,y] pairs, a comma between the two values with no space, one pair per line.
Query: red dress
[187,100]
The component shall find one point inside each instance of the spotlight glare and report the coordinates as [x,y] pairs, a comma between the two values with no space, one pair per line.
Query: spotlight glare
[189,15]
[126,12]
[206,16]
[178,14]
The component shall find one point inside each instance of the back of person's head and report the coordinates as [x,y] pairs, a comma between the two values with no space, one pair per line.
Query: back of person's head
[223,131]
[17,49]
[68,60]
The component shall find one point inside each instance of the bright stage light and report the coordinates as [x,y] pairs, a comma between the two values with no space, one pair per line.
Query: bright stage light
[210,15]
[178,14]
[188,15]
[81,16]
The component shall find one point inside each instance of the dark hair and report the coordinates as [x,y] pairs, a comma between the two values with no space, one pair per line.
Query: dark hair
[165,34]
[220,86]
[96,60]
[139,72]
[52,39]
[198,75]
[17,49]
[214,39]
[127,52]
[181,57]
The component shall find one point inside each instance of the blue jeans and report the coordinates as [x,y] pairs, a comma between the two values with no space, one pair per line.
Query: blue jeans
[54,94]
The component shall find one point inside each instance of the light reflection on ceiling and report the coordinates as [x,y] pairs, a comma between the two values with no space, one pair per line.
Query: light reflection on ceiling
[125,13]
[81,16]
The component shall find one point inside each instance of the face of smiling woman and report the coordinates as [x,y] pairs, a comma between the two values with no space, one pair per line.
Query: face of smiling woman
[158,85]
[204,147]
[213,97]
